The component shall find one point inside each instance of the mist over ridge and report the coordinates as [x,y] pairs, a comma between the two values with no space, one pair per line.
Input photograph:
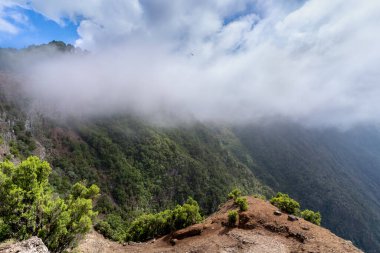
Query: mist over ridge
[312,62]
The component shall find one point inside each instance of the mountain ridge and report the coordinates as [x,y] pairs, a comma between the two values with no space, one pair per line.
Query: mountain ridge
[257,230]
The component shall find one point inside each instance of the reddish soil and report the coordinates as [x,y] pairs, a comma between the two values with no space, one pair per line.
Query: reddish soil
[259,230]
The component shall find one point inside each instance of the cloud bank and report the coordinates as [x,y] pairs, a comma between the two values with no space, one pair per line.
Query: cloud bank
[232,61]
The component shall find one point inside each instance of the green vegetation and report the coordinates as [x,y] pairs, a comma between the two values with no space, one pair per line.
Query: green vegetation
[313,217]
[22,143]
[148,226]
[335,172]
[289,205]
[29,207]
[285,203]
[113,227]
[242,203]
[233,217]
[234,194]
[144,169]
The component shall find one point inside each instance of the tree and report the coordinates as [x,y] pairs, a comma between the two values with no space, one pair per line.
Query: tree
[30,208]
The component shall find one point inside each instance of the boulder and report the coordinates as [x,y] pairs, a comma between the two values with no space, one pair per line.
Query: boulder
[32,245]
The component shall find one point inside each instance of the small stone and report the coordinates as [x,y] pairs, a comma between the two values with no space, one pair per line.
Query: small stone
[292,217]
[305,227]
[278,213]
[173,241]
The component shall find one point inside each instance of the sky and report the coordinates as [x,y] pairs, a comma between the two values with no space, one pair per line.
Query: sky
[21,27]
[312,61]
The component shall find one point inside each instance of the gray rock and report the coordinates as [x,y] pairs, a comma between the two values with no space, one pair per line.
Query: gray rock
[292,217]
[32,245]
[278,213]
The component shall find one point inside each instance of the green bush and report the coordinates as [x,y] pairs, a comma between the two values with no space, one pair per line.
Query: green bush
[242,203]
[148,226]
[235,193]
[313,217]
[285,203]
[113,227]
[232,217]
[4,230]
[187,214]
[105,229]
[29,207]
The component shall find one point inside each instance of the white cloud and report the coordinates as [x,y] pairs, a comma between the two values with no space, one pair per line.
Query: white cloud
[314,62]
[5,25]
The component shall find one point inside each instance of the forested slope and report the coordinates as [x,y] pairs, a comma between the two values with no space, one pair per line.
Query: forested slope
[336,172]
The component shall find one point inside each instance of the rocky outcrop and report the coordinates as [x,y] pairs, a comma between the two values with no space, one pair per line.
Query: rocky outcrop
[188,232]
[32,245]
[260,229]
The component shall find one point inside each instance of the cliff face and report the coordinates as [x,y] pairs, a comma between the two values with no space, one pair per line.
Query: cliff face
[32,245]
[259,229]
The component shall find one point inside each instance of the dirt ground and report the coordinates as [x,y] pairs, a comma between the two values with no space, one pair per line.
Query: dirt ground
[259,231]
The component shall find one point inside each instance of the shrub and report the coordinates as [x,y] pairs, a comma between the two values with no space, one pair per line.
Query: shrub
[29,207]
[4,230]
[187,214]
[232,217]
[242,203]
[313,217]
[105,229]
[285,203]
[235,193]
[113,227]
[148,226]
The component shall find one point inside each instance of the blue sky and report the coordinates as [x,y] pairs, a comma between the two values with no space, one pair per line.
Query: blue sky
[37,30]
[26,22]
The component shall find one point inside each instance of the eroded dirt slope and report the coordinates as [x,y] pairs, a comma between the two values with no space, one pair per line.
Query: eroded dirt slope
[259,230]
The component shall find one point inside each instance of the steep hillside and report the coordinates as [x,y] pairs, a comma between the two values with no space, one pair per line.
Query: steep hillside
[332,171]
[146,167]
[139,167]
[258,230]
[143,167]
